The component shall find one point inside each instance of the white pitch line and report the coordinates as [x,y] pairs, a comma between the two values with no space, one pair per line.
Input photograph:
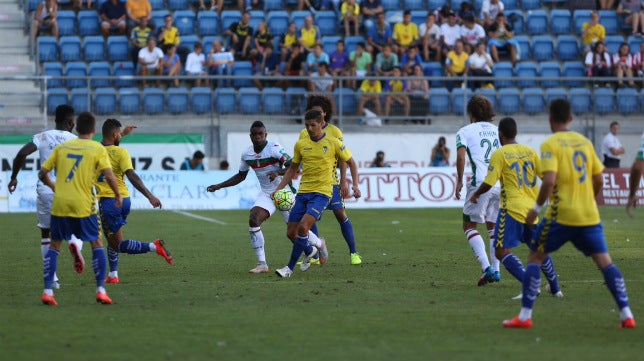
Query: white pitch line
[196,216]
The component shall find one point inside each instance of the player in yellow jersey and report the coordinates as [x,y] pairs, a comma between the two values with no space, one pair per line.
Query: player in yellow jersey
[317,155]
[77,162]
[114,218]
[572,177]
[517,167]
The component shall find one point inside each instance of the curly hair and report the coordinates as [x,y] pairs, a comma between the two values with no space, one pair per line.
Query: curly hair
[322,102]
[480,108]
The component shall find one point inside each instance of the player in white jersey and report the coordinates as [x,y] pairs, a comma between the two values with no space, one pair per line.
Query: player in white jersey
[636,173]
[44,143]
[478,141]
[268,160]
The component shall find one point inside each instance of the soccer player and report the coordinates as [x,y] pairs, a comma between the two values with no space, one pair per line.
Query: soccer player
[44,143]
[636,173]
[317,154]
[572,177]
[114,218]
[478,141]
[340,187]
[268,160]
[77,162]
[517,167]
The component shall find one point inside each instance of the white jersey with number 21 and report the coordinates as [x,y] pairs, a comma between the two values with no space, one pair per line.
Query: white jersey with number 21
[480,139]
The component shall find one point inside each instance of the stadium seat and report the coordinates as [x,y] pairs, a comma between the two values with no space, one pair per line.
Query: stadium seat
[270,5]
[250,100]
[434,69]
[390,5]
[81,100]
[604,100]
[153,100]
[488,93]
[56,97]
[88,23]
[243,68]
[208,40]
[623,26]
[533,101]
[201,100]
[554,3]
[414,5]
[256,17]
[177,100]
[76,69]
[273,100]
[189,42]
[53,68]
[550,69]
[435,4]
[627,101]
[129,100]
[66,22]
[326,21]
[456,4]
[580,100]
[328,43]
[567,47]
[105,101]
[298,17]
[503,70]
[100,68]
[579,17]
[184,20]
[207,23]
[228,17]
[634,42]
[507,5]
[460,98]
[613,43]
[525,47]
[178,5]
[537,22]
[542,47]
[47,48]
[393,16]
[517,19]
[351,42]
[527,70]
[125,71]
[94,48]
[530,4]
[225,100]
[608,18]
[157,5]
[70,48]
[560,21]
[345,99]
[418,17]
[159,15]
[278,22]
[117,48]
[440,101]
[573,69]
[555,93]
[509,100]
[33,5]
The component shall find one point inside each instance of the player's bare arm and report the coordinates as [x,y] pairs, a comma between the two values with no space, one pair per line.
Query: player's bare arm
[482,189]
[280,172]
[42,175]
[288,176]
[598,183]
[636,174]
[127,130]
[19,162]
[460,167]
[138,184]
[230,182]
[353,167]
[548,184]
[344,187]
[111,181]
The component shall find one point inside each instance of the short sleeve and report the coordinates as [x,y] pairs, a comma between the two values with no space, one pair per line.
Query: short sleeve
[297,156]
[103,161]
[494,169]
[125,163]
[343,152]
[50,163]
[549,162]
[460,140]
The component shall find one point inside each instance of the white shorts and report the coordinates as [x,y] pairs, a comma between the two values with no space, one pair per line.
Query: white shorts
[487,207]
[264,201]
[43,209]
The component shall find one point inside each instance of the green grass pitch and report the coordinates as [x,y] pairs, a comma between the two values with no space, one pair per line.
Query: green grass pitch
[414,297]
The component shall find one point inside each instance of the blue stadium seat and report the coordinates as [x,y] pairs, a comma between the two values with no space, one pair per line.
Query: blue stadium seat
[573,69]
[488,93]
[502,70]
[537,22]
[189,42]
[440,101]
[560,21]
[100,68]
[580,100]
[94,48]
[157,5]
[105,101]
[555,93]
[76,68]
[345,96]
[509,100]
[81,100]
[351,42]
[256,17]
[634,42]
[225,100]
[278,22]
[159,15]
[177,100]
[435,4]
[129,100]
[184,20]
[435,69]
[242,68]
[530,4]
[613,43]
[393,16]
[550,69]
[604,100]
[201,100]
[228,17]
[47,48]
[623,26]
[53,68]
[533,101]
[125,70]
[208,40]
[66,22]
[527,69]
[567,47]
[33,4]
[517,19]
[298,17]
[270,5]
[390,5]
[579,17]
[418,17]
[328,43]
[207,23]
[326,21]
[456,4]
[178,5]
[414,5]
[88,23]
[542,48]
[525,47]
[608,18]
[250,100]
[153,100]
[507,5]
[273,100]
[117,48]
[56,97]
[70,48]
[460,98]
[627,101]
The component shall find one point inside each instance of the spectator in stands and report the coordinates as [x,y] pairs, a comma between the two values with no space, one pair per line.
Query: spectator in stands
[241,34]
[634,10]
[168,34]
[457,63]
[350,11]
[248,5]
[623,65]
[309,34]
[288,41]
[612,147]
[409,60]
[315,58]
[263,44]
[418,87]
[321,81]
[77,5]
[440,154]
[151,60]
[223,165]
[405,34]
[397,90]
[379,35]
[442,14]
[598,62]
[221,62]
[114,18]
[340,62]
[295,65]
[386,62]
[196,64]
[450,32]
[361,62]
[592,31]
[489,11]
[215,5]
[371,89]
[471,33]
[196,163]
[379,160]
[271,68]
[45,17]
[370,11]
[312,5]
[464,11]
[429,34]
[480,65]
[172,64]
[606,4]
[137,9]
[502,37]
[139,38]
[638,66]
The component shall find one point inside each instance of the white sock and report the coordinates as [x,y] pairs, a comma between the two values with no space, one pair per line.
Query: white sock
[257,242]
[48,292]
[525,314]
[314,240]
[153,247]
[496,264]
[113,274]
[478,246]
[100,290]
[625,313]
[77,242]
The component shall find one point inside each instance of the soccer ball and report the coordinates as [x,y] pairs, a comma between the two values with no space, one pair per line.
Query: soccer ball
[284,199]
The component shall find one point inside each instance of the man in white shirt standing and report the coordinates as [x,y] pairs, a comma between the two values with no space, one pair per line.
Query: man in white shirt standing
[151,60]
[196,64]
[612,147]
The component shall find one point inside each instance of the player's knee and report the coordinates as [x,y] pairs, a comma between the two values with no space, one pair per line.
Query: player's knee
[502,252]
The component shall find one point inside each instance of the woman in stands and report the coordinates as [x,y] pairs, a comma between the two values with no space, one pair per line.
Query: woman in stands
[598,62]
[623,64]
[45,18]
